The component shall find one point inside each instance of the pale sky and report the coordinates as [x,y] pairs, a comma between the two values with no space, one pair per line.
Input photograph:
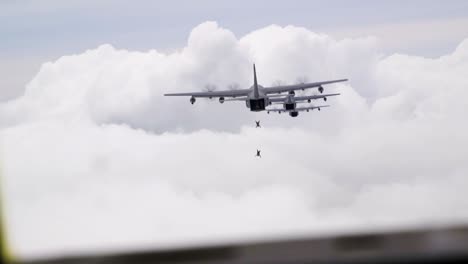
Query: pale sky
[38,31]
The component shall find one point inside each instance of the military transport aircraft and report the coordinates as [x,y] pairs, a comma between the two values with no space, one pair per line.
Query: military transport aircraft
[295,112]
[256,97]
[290,103]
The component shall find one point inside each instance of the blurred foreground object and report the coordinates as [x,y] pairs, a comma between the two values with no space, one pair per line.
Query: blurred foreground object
[441,245]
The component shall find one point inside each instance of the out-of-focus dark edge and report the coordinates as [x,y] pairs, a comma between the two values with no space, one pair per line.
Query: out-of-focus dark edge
[438,245]
[5,256]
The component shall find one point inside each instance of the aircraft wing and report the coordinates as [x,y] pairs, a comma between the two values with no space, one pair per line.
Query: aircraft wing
[287,88]
[313,97]
[302,98]
[228,93]
[298,109]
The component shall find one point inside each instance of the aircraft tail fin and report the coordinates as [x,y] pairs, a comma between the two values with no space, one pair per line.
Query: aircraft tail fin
[255,83]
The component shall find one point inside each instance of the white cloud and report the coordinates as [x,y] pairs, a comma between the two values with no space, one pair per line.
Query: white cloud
[95,157]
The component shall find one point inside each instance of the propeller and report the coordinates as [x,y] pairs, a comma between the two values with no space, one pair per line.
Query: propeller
[278,83]
[301,79]
[233,86]
[210,88]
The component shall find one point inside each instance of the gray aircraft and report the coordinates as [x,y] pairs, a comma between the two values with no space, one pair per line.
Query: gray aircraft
[295,112]
[290,103]
[256,97]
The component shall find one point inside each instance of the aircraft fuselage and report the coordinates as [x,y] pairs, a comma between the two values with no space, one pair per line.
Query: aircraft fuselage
[256,100]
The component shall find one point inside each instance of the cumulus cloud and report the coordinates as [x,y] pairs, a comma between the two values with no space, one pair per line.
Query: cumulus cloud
[94,157]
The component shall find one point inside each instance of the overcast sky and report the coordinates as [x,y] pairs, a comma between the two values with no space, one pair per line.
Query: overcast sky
[38,31]
[95,158]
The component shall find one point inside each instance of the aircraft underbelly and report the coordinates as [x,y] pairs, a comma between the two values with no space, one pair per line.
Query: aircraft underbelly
[257,104]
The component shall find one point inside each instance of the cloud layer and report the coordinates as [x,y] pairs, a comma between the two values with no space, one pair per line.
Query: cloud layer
[94,157]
